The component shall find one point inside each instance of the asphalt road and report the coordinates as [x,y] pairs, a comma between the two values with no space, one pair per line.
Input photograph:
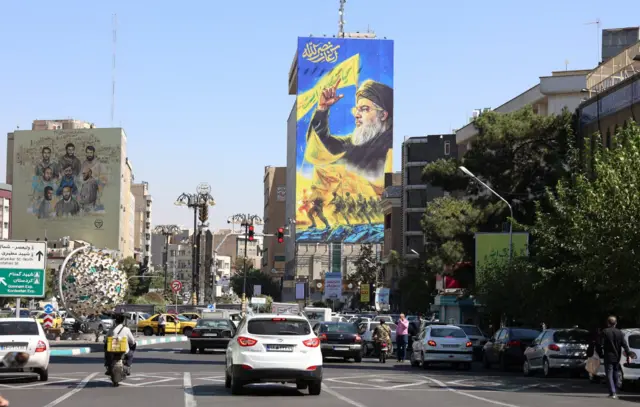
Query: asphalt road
[168,375]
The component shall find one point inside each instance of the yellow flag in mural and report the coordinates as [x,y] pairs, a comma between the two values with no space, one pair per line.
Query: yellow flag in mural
[346,72]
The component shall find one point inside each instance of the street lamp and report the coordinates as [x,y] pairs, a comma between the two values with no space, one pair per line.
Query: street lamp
[246,220]
[167,231]
[202,198]
[471,175]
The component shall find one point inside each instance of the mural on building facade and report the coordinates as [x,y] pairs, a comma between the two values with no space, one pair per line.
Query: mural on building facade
[64,176]
[344,138]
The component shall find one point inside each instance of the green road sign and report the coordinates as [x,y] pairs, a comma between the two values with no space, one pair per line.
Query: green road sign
[22,268]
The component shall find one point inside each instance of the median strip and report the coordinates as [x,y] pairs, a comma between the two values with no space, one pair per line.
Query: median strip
[140,342]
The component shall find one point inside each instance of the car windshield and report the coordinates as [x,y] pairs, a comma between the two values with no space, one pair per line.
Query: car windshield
[214,323]
[447,333]
[103,317]
[340,327]
[19,328]
[182,318]
[520,333]
[471,330]
[572,336]
[314,315]
[278,326]
[374,325]
[145,316]
[412,317]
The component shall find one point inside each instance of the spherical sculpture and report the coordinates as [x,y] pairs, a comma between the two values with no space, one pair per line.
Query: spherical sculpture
[92,283]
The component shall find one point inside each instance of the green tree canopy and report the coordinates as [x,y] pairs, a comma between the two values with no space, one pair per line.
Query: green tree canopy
[367,267]
[255,277]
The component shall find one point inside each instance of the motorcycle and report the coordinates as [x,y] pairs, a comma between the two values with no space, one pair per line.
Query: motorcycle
[117,369]
[384,349]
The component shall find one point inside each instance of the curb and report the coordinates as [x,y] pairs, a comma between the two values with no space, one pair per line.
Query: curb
[70,352]
[140,342]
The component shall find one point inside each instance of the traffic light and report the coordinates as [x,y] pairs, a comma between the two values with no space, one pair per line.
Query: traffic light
[280,235]
[251,233]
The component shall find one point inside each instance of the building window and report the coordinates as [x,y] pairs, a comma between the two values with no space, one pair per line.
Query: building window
[417,152]
[414,221]
[447,148]
[387,221]
[416,198]
[414,175]
[414,243]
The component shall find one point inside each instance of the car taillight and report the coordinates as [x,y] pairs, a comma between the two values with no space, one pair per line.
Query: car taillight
[312,343]
[358,338]
[195,334]
[513,343]
[323,337]
[469,344]
[312,368]
[554,347]
[246,367]
[431,343]
[244,341]
[41,346]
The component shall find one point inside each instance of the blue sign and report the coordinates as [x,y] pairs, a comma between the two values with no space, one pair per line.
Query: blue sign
[48,309]
[211,306]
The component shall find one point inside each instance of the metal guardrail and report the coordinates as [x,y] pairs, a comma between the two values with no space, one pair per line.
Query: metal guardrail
[615,70]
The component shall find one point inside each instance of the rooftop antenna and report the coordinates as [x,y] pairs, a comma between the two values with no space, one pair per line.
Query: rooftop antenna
[566,64]
[113,68]
[597,24]
[341,20]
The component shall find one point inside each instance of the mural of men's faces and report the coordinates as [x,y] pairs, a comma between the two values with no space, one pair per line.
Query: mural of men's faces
[67,186]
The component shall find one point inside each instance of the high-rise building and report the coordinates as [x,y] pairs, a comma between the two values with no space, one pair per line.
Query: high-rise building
[417,152]
[275,192]
[73,182]
[5,211]
[142,222]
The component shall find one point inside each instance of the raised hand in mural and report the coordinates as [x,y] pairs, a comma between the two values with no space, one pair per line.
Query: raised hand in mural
[329,97]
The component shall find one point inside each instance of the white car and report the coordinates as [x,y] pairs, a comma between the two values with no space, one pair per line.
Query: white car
[26,335]
[442,344]
[630,371]
[274,348]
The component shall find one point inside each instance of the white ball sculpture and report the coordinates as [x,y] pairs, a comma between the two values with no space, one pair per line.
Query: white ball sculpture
[93,283]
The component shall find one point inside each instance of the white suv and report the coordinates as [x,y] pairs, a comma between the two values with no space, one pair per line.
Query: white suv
[274,348]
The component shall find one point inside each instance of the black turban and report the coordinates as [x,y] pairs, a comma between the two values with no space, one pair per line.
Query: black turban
[378,93]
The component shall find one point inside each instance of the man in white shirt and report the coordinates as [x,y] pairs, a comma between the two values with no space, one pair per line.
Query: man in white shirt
[120,331]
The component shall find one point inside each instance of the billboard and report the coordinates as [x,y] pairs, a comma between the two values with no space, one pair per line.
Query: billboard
[489,245]
[67,183]
[344,138]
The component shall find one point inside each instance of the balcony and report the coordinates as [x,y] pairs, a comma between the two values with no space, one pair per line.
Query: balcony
[615,70]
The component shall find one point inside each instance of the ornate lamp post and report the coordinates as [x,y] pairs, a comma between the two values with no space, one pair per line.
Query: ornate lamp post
[202,198]
[167,231]
[247,221]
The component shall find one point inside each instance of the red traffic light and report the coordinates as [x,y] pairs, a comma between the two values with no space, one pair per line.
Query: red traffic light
[280,235]
[251,232]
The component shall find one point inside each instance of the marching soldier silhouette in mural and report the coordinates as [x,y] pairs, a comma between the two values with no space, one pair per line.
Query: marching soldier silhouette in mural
[363,210]
[317,208]
[340,207]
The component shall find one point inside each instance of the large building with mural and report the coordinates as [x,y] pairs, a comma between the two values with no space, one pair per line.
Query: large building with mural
[339,147]
[72,182]
[344,138]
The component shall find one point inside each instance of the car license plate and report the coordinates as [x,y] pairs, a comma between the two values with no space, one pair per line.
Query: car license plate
[210,335]
[279,348]
[13,348]
[340,348]
[449,346]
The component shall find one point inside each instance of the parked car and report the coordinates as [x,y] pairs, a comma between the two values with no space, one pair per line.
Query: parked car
[175,324]
[556,349]
[442,344]
[214,333]
[26,335]
[99,323]
[339,339]
[506,347]
[630,371]
[478,338]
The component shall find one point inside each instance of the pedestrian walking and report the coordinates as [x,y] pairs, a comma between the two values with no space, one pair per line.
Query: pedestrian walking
[402,336]
[162,325]
[610,349]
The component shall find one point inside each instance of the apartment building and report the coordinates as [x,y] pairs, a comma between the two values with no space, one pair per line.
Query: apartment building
[275,191]
[5,211]
[142,222]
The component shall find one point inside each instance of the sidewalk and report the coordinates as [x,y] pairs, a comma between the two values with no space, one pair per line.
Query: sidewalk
[68,350]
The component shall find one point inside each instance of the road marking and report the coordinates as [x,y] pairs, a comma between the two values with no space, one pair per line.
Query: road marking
[407,385]
[385,389]
[189,399]
[464,393]
[78,388]
[343,398]
[531,386]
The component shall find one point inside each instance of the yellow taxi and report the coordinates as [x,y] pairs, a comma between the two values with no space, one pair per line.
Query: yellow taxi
[175,324]
[57,320]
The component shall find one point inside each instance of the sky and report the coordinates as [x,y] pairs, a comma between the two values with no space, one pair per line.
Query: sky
[201,89]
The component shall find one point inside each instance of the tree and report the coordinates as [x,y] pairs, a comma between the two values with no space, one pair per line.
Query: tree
[240,264]
[255,277]
[131,268]
[51,284]
[587,236]
[367,267]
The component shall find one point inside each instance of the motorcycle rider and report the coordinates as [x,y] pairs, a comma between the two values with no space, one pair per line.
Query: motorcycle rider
[382,334]
[120,331]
